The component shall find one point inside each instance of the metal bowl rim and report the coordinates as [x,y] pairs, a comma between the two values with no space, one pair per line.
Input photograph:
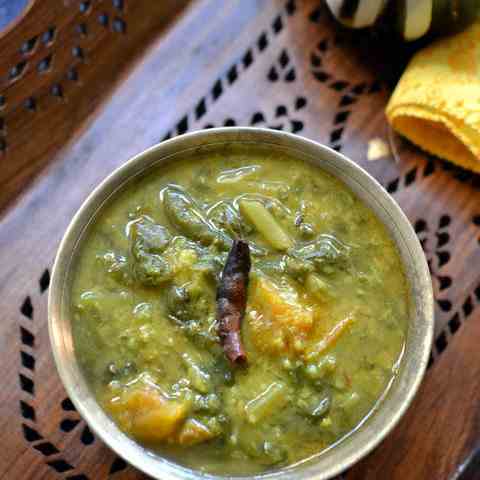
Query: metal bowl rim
[154,465]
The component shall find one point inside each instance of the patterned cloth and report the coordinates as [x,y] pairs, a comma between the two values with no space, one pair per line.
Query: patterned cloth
[436,103]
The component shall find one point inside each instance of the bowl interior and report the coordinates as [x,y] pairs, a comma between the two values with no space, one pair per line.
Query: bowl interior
[389,410]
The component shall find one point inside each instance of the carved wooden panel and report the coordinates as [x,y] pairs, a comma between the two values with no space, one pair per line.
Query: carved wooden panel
[86,84]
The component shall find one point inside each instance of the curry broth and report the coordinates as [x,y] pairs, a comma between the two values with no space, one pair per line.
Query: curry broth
[325,326]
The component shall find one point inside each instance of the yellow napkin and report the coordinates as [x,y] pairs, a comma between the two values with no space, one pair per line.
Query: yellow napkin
[436,103]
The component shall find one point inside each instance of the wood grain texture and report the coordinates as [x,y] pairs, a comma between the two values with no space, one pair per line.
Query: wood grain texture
[59,63]
[277,64]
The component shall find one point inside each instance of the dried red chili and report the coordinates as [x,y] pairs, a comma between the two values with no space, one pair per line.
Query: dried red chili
[232,301]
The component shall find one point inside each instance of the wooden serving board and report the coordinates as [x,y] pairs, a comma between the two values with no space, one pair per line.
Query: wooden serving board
[84,85]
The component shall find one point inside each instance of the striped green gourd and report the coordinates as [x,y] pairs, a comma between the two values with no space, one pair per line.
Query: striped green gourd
[413,18]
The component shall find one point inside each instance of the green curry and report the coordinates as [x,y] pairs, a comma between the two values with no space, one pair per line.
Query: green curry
[324,327]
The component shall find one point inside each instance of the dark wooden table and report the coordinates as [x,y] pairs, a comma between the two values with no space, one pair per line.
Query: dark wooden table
[86,84]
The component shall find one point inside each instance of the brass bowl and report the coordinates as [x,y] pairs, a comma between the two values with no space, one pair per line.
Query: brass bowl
[389,410]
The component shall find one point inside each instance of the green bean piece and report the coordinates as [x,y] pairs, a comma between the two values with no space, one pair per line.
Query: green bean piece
[200,379]
[189,219]
[265,223]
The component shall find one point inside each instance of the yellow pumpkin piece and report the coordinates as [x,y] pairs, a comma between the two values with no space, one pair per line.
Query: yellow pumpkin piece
[278,320]
[194,432]
[159,424]
[147,415]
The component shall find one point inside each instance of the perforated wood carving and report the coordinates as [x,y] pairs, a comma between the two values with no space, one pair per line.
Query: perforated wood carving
[57,61]
[286,67]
